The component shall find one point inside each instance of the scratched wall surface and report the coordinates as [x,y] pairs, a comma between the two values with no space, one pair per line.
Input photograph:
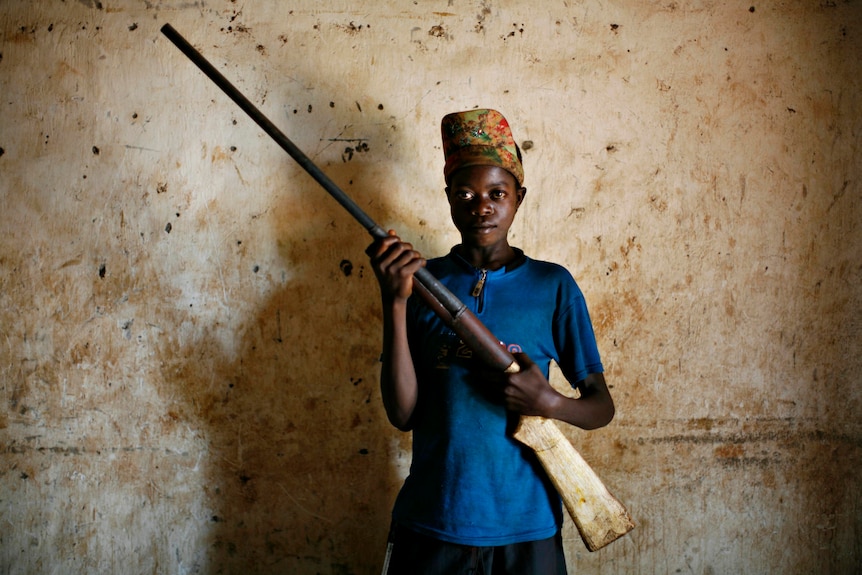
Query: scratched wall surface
[190,332]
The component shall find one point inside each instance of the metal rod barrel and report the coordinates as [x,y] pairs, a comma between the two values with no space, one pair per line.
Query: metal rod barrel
[462,321]
[273,131]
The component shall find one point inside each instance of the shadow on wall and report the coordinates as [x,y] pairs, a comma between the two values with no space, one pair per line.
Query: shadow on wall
[301,475]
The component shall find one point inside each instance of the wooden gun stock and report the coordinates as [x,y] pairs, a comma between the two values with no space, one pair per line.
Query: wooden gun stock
[598,515]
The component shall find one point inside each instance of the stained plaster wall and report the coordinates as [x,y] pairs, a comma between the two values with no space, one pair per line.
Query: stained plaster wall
[190,332]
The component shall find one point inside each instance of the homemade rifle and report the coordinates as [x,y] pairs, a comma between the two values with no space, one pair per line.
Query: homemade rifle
[598,515]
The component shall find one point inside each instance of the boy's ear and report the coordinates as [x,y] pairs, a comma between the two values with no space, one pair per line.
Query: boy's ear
[522,193]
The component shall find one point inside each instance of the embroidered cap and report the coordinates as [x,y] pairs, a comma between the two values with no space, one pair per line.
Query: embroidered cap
[479,138]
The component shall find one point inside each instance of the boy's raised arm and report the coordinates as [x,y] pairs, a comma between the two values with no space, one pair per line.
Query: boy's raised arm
[394,263]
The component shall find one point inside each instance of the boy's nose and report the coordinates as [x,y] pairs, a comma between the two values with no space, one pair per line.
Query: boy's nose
[483,206]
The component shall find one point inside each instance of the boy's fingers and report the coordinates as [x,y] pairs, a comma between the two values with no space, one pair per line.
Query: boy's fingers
[382,245]
[523,360]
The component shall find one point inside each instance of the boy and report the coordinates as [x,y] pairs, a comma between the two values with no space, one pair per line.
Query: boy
[477,501]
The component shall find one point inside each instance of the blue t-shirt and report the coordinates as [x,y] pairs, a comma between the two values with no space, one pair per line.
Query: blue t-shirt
[470,483]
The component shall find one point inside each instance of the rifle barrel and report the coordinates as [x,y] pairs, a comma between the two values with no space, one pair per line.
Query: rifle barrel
[459,317]
[273,131]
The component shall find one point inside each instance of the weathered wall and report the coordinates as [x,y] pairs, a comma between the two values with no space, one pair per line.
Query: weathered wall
[190,334]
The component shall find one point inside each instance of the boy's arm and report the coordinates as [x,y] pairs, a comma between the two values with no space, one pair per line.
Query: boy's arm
[394,263]
[529,393]
[398,384]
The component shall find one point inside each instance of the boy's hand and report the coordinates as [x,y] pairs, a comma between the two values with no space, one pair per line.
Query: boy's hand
[528,392]
[394,262]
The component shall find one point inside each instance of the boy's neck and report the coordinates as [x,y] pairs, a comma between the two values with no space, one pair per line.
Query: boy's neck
[489,258]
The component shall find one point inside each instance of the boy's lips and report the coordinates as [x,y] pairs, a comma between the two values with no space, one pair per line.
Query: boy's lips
[483,225]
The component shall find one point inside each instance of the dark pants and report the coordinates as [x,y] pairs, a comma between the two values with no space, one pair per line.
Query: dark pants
[410,553]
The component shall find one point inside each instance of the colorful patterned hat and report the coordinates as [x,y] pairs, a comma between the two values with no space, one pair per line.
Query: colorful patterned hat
[479,138]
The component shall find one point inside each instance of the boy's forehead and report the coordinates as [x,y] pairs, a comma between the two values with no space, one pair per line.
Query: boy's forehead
[483,174]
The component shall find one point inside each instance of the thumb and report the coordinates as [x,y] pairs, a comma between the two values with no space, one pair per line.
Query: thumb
[523,360]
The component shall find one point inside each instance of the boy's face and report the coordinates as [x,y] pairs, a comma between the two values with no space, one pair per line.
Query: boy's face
[483,201]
